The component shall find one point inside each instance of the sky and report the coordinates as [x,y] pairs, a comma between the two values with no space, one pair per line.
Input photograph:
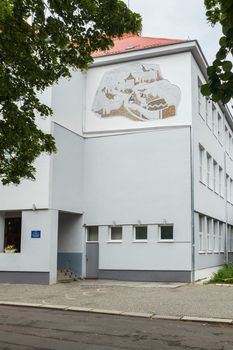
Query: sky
[178,19]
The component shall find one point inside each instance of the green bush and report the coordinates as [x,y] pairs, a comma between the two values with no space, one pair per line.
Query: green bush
[223,275]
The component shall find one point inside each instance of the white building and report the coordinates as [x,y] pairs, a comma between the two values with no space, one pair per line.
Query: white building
[141,187]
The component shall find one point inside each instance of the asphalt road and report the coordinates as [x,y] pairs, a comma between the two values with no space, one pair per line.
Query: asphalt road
[28,328]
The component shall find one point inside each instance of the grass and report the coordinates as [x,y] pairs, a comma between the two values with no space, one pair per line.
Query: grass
[223,275]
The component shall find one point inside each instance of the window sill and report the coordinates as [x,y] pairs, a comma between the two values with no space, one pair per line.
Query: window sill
[209,252]
[166,241]
[92,241]
[115,241]
[201,252]
[140,241]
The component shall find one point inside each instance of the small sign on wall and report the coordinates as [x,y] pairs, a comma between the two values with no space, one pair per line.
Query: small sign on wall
[35,234]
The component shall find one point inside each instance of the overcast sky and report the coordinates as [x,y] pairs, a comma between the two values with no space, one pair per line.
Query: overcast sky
[179,19]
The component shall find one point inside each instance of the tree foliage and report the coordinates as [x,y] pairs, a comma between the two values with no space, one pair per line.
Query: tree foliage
[41,41]
[219,86]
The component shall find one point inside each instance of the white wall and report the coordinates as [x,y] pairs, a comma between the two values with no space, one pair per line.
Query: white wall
[37,254]
[140,177]
[143,176]
[150,255]
[23,196]
[2,230]
[67,171]
[175,68]
[68,102]
[70,233]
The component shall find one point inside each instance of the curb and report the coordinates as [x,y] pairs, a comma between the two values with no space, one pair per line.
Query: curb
[151,316]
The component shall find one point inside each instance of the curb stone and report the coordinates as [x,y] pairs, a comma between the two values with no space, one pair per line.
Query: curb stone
[120,313]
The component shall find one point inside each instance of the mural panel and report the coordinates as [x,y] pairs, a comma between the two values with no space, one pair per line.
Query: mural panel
[137,92]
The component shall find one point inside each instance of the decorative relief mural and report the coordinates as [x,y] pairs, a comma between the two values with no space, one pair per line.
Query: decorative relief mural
[138,92]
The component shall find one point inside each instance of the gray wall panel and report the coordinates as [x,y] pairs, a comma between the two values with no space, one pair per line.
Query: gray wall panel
[72,261]
[24,277]
[146,276]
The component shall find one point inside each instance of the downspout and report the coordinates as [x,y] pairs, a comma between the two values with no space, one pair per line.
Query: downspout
[192,209]
[226,214]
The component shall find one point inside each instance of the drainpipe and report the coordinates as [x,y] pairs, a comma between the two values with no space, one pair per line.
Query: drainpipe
[226,214]
[192,209]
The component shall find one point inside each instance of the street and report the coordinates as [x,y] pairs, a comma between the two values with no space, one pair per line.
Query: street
[32,328]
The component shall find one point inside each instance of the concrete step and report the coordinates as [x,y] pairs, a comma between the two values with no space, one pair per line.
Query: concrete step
[66,275]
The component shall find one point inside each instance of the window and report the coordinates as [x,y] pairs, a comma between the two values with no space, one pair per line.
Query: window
[227,140]
[231,191]
[230,145]
[92,233]
[228,187]
[215,233]
[220,237]
[231,238]
[12,236]
[201,161]
[209,166]
[201,232]
[166,232]
[219,127]
[140,233]
[209,231]
[214,120]
[208,116]
[220,181]
[215,176]
[200,99]
[116,233]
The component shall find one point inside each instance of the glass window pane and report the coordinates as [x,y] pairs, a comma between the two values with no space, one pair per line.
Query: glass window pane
[166,232]
[141,232]
[92,233]
[116,233]
[12,237]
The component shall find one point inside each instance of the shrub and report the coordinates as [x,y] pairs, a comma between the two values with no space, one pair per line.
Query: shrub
[223,275]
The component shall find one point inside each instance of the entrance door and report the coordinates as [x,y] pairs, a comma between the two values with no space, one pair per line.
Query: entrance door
[92,260]
[92,252]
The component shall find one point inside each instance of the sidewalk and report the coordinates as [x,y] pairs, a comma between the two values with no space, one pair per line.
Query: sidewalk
[158,300]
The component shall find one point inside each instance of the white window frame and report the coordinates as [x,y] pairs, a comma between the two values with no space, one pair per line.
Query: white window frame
[200,100]
[214,121]
[219,127]
[87,228]
[215,176]
[209,234]
[201,163]
[138,239]
[110,234]
[166,240]
[201,225]
[209,169]
[215,235]
[220,181]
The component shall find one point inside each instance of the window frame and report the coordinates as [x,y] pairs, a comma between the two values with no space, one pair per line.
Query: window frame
[166,240]
[87,228]
[134,233]
[110,234]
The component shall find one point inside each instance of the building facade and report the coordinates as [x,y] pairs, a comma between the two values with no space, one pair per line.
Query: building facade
[141,187]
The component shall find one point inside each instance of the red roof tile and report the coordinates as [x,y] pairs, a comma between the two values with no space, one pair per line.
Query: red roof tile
[131,42]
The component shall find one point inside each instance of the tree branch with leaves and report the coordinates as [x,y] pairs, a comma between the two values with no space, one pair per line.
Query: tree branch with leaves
[40,42]
[219,86]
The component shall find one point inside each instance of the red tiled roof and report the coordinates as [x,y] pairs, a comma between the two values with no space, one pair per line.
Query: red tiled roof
[131,42]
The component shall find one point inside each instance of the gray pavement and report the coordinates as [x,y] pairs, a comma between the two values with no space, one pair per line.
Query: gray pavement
[157,300]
